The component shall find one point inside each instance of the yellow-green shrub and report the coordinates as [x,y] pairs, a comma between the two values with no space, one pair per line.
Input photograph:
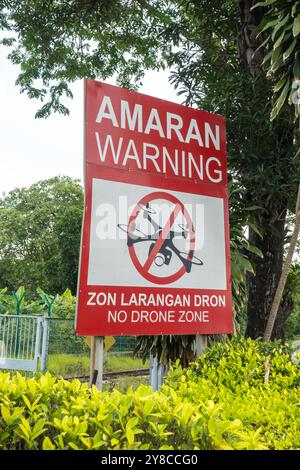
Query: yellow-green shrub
[224,401]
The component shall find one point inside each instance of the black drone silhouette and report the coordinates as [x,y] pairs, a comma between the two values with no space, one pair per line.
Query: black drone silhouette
[167,248]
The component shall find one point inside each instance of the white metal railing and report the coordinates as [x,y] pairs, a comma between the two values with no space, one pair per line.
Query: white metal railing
[23,342]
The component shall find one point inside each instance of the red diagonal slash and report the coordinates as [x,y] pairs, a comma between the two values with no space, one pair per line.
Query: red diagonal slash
[164,233]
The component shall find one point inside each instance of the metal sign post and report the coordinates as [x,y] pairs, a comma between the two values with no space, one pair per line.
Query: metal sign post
[157,373]
[200,344]
[97,355]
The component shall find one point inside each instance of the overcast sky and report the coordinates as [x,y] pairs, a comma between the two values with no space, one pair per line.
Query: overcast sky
[35,149]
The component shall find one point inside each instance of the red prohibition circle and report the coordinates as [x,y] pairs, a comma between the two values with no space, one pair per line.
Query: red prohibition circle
[179,207]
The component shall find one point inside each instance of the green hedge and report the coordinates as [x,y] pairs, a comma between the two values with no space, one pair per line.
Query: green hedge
[241,395]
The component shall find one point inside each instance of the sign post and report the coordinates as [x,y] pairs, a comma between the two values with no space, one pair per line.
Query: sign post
[155,256]
[200,344]
[96,373]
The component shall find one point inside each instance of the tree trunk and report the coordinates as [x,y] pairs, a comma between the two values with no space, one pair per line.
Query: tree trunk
[262,285]
[285,310]
[250,57]
[281,283]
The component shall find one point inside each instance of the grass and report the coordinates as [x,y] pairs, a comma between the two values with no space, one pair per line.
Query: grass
[124,363]
[124,383]
[68,365]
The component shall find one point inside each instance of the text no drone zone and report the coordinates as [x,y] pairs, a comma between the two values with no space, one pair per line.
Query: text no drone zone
[158,316]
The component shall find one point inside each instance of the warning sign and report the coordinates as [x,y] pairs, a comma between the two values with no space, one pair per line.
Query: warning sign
[155,246]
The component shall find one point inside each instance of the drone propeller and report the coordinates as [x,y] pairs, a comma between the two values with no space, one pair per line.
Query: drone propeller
[186,228]
[192,260]
[124,228]
[144,234]
[147,208]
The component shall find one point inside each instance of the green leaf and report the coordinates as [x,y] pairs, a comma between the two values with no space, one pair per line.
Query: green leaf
[74,446]
[297,154]
[263,43]
[267,57]
[279,40]
[269,24]
[280,84]
[275,55]
[132,422]
[281,100]
[25,429]
[255,250]
[280,25]
[263,4]
[255,229]
[27,402]
[47,444]
[38,429]
[6,414]
[129,436]
[289,50]
[296,68]
[296,25]
[294,9]
[245,264]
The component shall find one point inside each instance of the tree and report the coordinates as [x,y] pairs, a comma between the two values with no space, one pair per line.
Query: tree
[282,61]
[259,151]
[209,46]
[290,303]
[40,235]
[291,299]
[281,26]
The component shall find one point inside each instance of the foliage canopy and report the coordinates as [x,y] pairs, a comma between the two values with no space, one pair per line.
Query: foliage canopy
[40,235]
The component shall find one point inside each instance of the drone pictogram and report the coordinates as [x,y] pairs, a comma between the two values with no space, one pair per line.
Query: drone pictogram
[162,249]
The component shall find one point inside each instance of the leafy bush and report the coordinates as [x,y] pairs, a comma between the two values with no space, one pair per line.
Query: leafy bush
[26,306]
[241,395]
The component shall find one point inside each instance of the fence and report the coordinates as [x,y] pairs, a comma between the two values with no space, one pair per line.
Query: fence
[63,340]
[69,355]
[22,342]
[32,343]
